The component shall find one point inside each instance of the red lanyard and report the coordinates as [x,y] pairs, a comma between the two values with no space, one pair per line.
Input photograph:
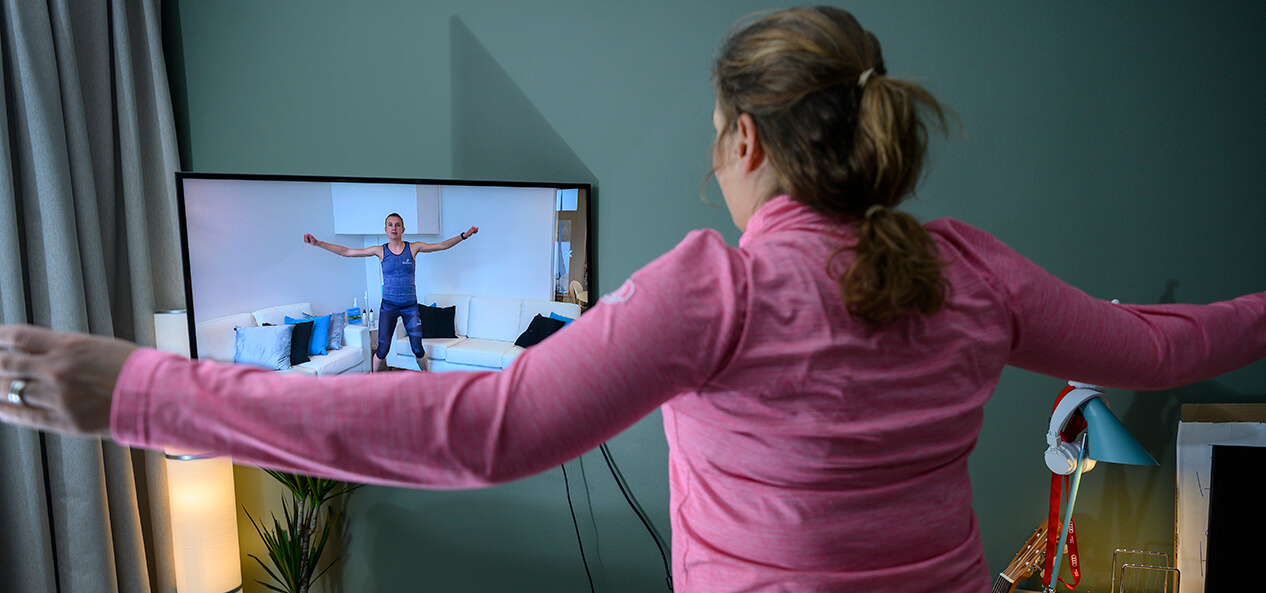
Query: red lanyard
[1054,526]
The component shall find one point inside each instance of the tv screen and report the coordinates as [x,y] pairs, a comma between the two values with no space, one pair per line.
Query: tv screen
[244,249]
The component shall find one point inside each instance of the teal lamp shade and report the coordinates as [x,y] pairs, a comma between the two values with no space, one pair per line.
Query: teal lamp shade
[1105,439]
[1108,440]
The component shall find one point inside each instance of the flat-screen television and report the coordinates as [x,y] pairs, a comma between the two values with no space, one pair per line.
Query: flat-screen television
[244,251]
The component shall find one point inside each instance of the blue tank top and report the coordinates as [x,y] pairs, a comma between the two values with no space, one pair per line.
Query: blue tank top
[398,284]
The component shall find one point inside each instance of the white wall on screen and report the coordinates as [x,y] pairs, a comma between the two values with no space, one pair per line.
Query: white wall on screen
[511,257]
[359,208]
[247,250]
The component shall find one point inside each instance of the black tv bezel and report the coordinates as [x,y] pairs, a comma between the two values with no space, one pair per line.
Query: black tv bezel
[182,221]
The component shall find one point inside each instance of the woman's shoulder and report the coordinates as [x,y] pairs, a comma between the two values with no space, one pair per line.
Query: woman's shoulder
[967,249]
[700,245]
[702,257]
[704,237]
[959,236]
[954,227]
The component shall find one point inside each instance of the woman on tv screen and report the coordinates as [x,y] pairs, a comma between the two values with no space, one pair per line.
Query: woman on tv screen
[399,287]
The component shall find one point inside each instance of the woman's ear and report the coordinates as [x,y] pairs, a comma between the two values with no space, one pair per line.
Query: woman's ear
[749,148]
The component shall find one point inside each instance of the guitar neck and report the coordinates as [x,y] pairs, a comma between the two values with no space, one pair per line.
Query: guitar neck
[1026,563]
[1002,584]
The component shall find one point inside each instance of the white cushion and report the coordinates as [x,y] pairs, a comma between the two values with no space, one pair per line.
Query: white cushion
[335,362]
[478,352]
[278,315]
[216,338]
[439,366]
[543,308]
[356,336]
[494,319]
[461,301]
[435,347]
[510,355]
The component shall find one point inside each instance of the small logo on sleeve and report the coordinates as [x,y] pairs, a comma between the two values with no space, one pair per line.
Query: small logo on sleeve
[621,294]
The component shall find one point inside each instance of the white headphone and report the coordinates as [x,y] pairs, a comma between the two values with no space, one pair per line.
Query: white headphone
[1061,455]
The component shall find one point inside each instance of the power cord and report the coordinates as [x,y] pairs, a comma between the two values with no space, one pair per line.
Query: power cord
[637,509]
[593,522]
[579,542]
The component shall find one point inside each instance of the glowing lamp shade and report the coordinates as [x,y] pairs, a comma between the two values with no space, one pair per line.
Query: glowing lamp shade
[203,524]
[1108,440]
[201,497]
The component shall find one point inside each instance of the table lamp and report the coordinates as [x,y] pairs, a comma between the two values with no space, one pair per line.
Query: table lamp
[1103,439]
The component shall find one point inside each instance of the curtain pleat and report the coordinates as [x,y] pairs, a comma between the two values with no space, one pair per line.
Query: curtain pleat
[79,514]
[88,242]
[26,542]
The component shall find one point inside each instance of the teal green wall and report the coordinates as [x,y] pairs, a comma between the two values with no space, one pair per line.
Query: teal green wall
[1117,144]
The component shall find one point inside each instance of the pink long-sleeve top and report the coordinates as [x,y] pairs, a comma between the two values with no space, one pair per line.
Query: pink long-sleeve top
[807,452]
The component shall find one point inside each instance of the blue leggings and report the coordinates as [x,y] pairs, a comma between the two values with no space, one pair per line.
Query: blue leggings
[387,315]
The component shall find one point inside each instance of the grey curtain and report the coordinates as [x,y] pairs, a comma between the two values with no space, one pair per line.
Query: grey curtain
[88,242]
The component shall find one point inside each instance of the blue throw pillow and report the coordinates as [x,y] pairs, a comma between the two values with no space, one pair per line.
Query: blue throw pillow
[320,333]
[338,323]
[267,346]
[565,320]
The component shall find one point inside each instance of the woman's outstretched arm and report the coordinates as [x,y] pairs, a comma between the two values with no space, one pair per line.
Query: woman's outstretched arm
[666,331]
[337,249]
[1059,330]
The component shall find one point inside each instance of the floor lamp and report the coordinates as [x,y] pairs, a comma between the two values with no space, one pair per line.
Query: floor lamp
[1104,439]
[201,497]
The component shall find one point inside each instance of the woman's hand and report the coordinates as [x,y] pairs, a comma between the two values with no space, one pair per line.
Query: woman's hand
[470,231]
[309,239]
[58,381]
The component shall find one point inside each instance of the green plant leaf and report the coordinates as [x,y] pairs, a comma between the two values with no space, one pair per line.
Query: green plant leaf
[274,588]
[290,542]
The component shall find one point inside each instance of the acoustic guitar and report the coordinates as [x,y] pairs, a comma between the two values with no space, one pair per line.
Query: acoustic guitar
[1025,563]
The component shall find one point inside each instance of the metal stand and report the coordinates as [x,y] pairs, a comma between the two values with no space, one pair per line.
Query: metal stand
[1139,574]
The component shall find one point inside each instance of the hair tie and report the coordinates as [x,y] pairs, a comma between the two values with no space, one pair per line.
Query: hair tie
[861,80]
[875,209]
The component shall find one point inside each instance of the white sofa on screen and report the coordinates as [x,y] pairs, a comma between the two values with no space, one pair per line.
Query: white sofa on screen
[217,341]
[486,330]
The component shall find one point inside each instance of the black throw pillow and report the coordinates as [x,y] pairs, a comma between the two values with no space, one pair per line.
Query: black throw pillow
[299,341]
[437,322]
[539,329]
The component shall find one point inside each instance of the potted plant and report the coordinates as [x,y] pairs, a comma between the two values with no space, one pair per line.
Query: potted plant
[295,546]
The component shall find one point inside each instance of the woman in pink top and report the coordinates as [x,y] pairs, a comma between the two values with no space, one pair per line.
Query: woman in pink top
[822,385]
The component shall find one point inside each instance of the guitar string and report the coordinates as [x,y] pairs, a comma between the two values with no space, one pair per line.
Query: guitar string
[1003,584]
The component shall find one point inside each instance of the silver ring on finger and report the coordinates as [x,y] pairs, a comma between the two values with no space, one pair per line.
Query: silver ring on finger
[16,387]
